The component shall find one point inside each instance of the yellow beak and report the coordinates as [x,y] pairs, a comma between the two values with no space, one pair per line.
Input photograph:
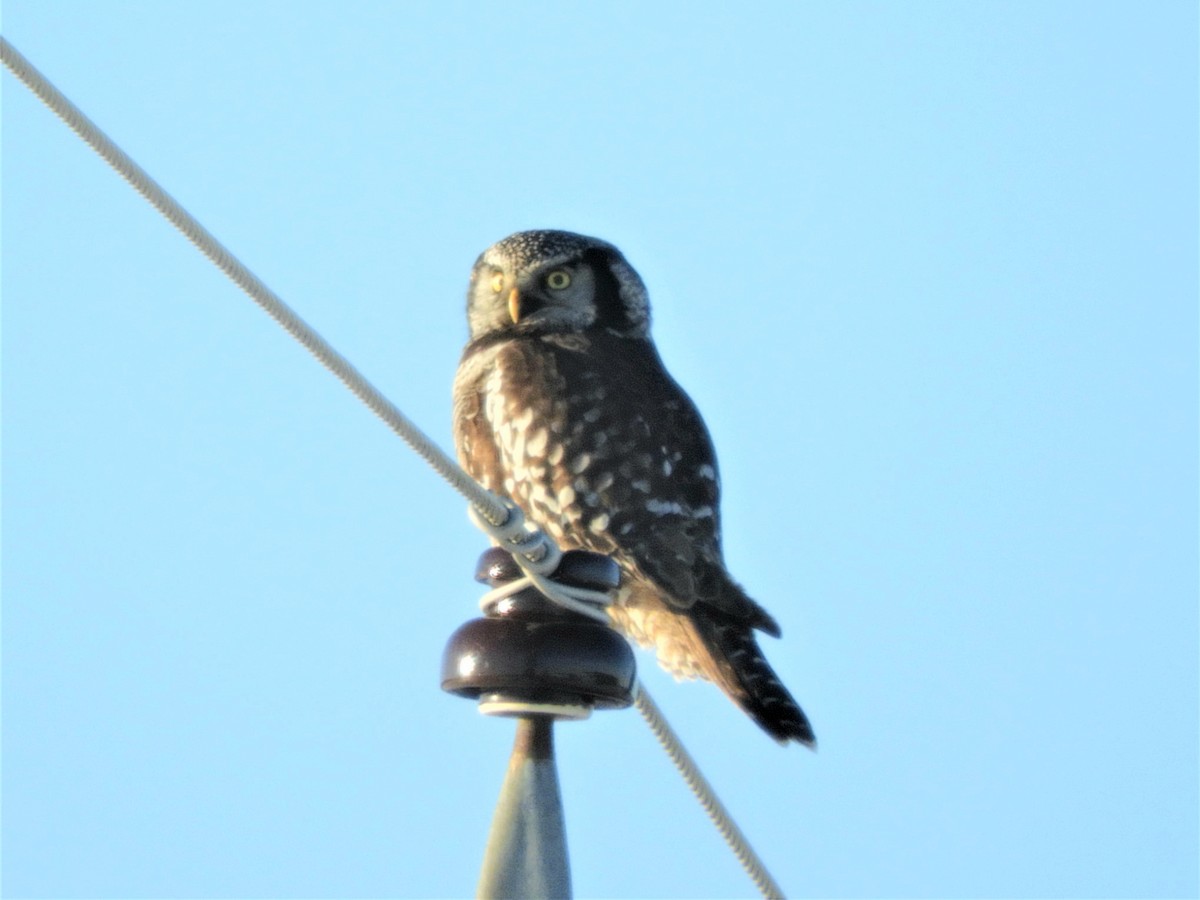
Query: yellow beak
[514,305]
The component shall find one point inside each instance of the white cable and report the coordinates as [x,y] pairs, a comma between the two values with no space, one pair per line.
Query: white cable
[532,550]
[583,601]
[528,547]
[708,799]
[491,507]
[538,557]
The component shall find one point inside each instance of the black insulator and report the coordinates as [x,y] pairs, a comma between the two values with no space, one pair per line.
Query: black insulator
[530,652]
[577,567]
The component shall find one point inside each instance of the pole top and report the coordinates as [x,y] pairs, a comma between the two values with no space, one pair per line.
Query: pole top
[529,656]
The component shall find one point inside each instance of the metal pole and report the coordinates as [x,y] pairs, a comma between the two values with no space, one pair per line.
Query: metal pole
[526,855]
[534,661]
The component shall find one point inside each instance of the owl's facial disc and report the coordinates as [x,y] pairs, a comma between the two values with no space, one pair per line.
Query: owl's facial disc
[560,293]
[555,282]
[555,297]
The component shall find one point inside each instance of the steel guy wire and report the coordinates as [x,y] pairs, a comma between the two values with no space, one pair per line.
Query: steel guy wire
[532,549]
[721,819]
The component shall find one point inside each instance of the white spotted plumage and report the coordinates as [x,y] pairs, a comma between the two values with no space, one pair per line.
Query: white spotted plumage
[562,403]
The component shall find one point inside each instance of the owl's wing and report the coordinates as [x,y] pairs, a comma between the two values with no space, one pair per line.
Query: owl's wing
[600,447]
[672,536]
[473,436]
[663,500]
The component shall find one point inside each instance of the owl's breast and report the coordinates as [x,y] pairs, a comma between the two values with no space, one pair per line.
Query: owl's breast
[516,434]
[594,442]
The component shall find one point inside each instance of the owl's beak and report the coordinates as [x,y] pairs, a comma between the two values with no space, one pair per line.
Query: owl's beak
[514,305]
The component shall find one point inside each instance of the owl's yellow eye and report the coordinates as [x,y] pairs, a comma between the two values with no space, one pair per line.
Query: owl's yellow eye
[497,282]
[558,279]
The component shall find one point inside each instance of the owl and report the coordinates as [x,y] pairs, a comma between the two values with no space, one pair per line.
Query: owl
[562,405]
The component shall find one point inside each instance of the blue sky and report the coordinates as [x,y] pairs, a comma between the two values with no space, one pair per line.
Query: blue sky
[930,272]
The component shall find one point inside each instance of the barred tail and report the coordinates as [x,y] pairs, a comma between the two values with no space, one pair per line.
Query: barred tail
[741,671]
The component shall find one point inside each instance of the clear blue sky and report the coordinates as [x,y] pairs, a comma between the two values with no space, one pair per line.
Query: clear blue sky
[930,271]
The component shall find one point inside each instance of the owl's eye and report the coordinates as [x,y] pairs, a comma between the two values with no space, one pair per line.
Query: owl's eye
[558,279]
[497,282]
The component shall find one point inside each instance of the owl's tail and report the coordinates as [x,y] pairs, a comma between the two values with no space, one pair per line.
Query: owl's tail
[741,670]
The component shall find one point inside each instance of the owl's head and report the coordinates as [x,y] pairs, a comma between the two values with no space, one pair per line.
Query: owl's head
[555,282]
